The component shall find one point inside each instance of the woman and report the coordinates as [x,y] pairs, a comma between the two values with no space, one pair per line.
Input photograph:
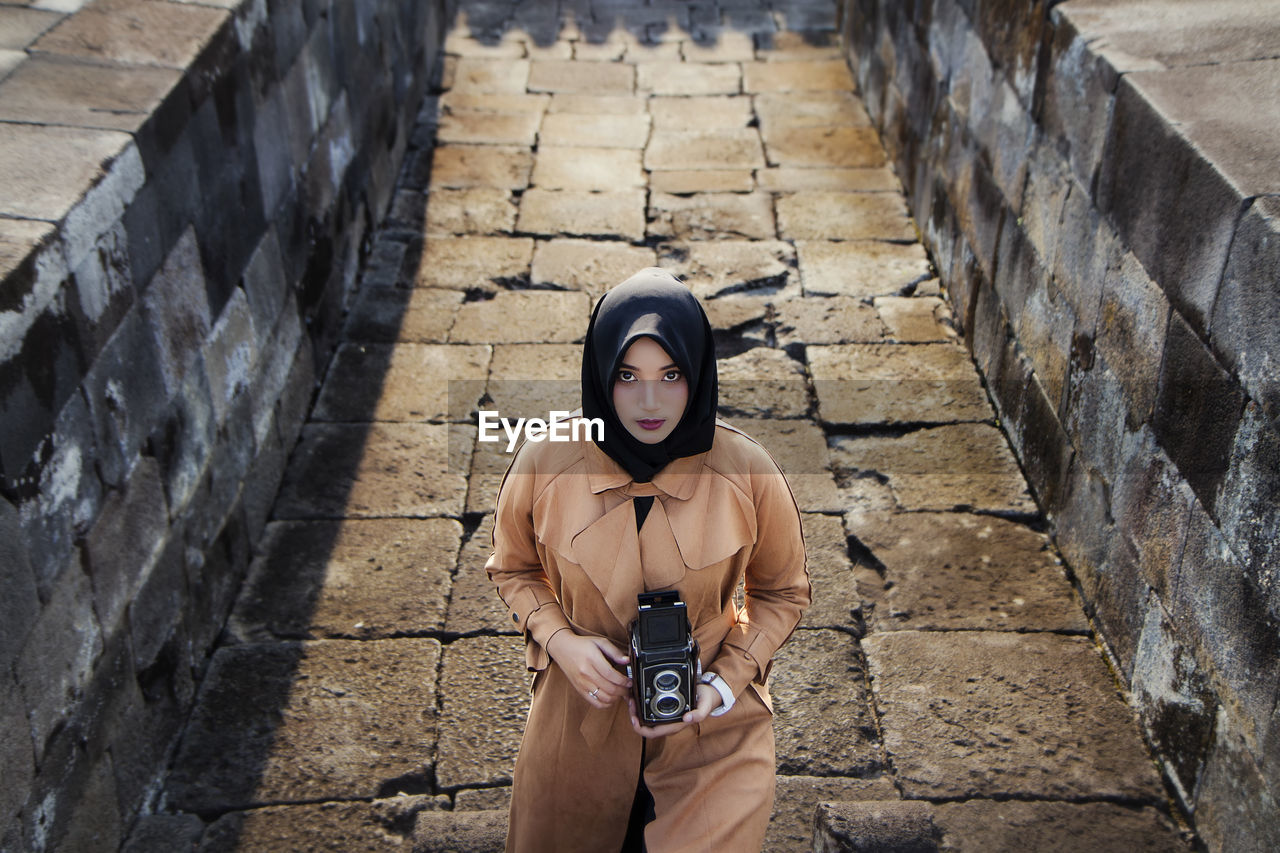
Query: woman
[669,498]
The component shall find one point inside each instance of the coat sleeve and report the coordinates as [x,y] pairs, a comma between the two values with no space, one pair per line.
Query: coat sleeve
[515,565]
[776,587]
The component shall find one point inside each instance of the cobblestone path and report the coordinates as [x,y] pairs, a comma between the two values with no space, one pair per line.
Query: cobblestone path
[368,693]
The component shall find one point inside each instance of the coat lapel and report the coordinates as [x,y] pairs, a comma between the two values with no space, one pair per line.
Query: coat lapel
[609,553]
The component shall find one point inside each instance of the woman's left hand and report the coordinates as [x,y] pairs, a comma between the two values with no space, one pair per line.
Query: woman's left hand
[708,699]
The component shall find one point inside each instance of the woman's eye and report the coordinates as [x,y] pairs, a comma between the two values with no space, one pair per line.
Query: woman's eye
[672,376]
[626,376]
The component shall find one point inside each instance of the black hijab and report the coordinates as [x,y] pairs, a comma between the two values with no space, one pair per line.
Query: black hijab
[650,304]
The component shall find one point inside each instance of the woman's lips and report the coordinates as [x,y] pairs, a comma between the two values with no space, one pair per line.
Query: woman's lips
[651,423]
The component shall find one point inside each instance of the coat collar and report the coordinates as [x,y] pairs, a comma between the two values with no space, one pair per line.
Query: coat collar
[678,479]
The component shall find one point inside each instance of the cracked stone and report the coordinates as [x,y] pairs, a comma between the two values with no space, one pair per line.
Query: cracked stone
[712,216]
[800,449]
[484,699]
[962,466]
[488,128]
[835,590]
[791,826]
[398,382]
[334,827]
[582,213]
[298,722]
[561,168]
[474,605]
[996,714]
[493,166]
[863,268]
[725,148]
[915,320]
[545,316]
[844,216]
[763,382]
[829,320]
[896,384]
[591,266]
[824,725]
[717,268]
[505,76]
[401,314]
[357,579]
[476,210]
[466,263]
[825,147]
[373,470]
[783,111]
[599,130]
[958,571]
[530,380]
[702,181]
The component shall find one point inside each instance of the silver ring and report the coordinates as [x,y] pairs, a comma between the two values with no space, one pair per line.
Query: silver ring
[593,693]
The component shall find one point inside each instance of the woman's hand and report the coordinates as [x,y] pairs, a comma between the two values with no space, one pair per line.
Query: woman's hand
[708,699]
[588,663]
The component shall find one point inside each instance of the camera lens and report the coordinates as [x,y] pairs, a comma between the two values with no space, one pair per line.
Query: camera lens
[667,705]
[666,680]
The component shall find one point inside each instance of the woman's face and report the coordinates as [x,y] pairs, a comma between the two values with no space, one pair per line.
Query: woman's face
[649,391]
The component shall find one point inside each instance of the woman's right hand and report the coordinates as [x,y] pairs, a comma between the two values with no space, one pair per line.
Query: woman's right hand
[588,662]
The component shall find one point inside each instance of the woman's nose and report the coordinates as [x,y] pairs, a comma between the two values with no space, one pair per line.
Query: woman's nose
[649,394]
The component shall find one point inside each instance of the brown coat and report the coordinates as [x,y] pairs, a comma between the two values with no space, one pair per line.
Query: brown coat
[567,553]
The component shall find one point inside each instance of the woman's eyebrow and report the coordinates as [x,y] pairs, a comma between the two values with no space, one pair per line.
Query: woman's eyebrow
[671,366]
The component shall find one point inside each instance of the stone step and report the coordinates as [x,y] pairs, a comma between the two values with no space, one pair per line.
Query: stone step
[918,826]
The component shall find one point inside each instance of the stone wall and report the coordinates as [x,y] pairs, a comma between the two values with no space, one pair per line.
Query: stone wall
[186,195]
[1097,183]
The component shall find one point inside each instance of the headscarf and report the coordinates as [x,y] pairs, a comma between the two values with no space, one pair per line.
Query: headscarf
[650,304]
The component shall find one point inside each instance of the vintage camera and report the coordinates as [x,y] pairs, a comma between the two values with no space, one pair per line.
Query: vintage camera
[664,658]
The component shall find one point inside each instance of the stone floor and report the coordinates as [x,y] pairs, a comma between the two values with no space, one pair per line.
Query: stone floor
[368,694]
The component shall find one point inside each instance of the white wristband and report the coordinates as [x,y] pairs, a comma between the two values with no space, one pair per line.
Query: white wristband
[722,687]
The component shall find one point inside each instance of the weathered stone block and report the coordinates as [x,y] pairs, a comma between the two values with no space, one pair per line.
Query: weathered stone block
[1174,698]
[1151,505]
[381,824]
[582,78]
[990,713]
[827,320]
[680,78]
[1236,806]
[474,604]
[1184,255]
[15,750]
[505,76]
[681,182]
[1198,408]
[820,215]
[598,130]
[472,127]
[798,797]
[703,112]
[580,213]
[1218,609]
[581,168]
[988,825]
[158,833]
[720,148]
[836,600]
[123,544]
[712,216]
[21,605]
[177,307]
[822,75]
[401,382]
[896,384]
[56,663]
[916,320]
[959,571]
[458,166]
[1244,331]
[719,268]
[588,265]
[356,579]
[183,438]
[800,449]
[763,382]
[962,466]
[617,105]
[392,470]
[780,111]
[861,268]
[531,380]
[1248,505]
[861,827]
[825,726]
[484,699]
[466,263]
[290,722]
[546,317]
[442,832]
[825,147]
